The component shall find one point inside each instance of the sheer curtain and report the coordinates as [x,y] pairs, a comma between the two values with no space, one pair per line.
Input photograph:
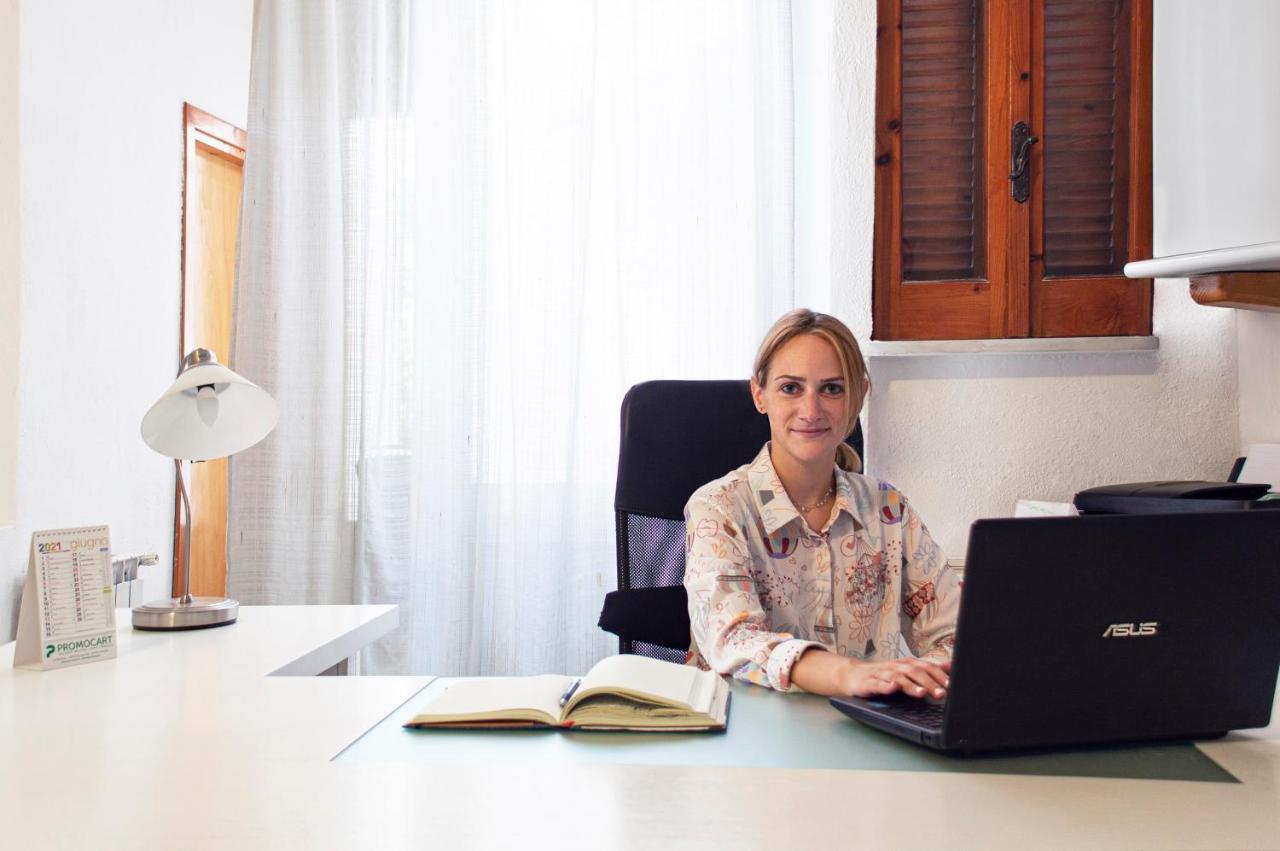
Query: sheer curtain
[468,228]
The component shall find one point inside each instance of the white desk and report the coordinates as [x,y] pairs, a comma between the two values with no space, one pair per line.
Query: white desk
[72,776]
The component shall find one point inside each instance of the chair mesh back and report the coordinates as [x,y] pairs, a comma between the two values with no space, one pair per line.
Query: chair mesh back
[653,651]
[650,555]
[655,551]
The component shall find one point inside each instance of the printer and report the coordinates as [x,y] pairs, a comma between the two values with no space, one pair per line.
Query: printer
[1175,497]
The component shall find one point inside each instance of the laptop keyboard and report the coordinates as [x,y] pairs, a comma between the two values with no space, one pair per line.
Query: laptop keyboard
[918,712]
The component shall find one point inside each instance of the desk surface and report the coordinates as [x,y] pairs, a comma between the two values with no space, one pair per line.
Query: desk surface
[767,730]
[108,755]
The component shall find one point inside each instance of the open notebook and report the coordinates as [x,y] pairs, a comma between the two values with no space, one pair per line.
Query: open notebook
[619,693]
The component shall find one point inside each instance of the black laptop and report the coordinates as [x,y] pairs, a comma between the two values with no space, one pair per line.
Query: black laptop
[1105,629]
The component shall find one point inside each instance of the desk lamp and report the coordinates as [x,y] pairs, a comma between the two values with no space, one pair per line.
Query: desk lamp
[208,412]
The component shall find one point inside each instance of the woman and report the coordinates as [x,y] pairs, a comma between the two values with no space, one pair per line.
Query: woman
[800,571]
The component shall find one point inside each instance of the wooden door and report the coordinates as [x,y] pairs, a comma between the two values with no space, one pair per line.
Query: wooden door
[213,174]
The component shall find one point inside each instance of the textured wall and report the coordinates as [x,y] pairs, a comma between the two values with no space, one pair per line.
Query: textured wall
[1259,356]
[966,435]
[100,182]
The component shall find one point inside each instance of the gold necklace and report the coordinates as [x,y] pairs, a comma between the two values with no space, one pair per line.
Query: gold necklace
[805,509]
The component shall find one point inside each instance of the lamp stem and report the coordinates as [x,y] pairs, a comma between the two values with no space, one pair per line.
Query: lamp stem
[186,538]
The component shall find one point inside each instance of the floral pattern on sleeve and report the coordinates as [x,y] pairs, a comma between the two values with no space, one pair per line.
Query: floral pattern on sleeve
[726,614]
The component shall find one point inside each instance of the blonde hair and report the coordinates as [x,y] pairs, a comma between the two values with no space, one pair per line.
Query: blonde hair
[852,365]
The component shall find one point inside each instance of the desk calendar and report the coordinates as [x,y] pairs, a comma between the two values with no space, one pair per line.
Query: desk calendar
[67,616]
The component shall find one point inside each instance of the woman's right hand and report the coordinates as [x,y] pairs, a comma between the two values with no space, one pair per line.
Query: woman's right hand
[824,672]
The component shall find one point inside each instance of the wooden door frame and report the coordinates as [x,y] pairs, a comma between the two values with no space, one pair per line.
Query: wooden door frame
[228,141]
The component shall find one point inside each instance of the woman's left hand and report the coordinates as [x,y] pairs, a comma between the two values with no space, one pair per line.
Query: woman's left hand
[823,672]
[914,677]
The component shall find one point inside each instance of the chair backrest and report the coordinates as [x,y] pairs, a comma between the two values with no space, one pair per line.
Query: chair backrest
[676,437]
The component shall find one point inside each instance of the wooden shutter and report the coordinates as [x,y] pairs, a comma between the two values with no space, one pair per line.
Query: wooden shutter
[1093,180]
[941,142]
[956,257]
[1084,116]
[943,218]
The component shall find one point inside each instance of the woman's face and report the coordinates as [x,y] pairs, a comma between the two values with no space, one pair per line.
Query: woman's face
[807,400]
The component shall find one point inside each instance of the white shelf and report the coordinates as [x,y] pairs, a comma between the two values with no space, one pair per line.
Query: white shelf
[1261,257]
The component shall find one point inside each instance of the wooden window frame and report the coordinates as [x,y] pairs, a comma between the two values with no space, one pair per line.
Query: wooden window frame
[1014,298]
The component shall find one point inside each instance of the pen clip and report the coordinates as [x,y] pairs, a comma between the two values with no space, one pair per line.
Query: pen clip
[564,698]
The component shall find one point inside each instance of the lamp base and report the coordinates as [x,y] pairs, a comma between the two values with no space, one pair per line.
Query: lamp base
[172,614]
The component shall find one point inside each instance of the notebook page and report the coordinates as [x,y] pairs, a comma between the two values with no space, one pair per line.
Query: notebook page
[678,684]
[495,695]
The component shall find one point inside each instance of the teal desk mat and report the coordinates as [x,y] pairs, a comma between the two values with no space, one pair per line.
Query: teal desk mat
[766,730]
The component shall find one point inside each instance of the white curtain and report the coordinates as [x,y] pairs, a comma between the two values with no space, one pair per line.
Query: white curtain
[468,228]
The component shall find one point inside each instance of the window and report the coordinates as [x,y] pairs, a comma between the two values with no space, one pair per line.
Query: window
[957,255]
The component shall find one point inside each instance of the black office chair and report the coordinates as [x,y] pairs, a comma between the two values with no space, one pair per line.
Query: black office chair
[676,437]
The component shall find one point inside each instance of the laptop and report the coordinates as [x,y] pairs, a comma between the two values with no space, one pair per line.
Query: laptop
[1105,629]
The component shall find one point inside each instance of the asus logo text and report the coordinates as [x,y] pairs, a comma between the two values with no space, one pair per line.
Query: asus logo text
[1129,630]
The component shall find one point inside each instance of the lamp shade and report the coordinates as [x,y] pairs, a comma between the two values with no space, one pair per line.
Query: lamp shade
[208,412]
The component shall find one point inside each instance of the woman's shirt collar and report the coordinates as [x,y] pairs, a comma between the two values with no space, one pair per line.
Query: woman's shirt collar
[774,505]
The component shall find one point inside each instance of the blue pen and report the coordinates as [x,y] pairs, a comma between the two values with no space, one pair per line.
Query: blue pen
[564,698]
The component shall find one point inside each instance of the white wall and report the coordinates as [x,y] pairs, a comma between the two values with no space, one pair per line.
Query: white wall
[8,258]
[1217,174]
[966,435]
[101,87]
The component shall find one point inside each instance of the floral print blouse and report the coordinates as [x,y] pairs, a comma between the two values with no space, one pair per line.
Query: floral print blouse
[764,587]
